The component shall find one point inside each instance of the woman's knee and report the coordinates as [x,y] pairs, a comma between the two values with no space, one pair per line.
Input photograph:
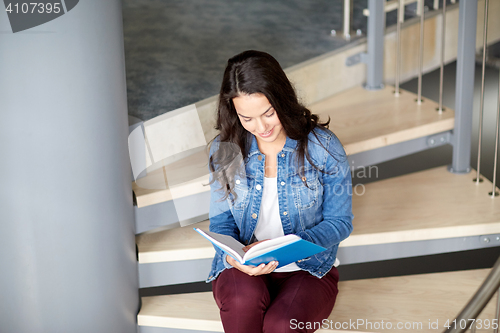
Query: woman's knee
[239,292]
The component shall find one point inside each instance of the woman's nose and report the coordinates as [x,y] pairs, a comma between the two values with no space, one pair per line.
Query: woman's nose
[261,126]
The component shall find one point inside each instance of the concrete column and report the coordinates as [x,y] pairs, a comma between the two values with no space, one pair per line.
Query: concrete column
[68,261]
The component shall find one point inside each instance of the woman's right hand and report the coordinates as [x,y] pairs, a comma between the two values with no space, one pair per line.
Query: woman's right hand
[252,270]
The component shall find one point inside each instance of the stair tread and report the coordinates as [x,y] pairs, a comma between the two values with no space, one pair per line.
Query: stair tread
[412,298]
[429,204]
[182,178]
[390,211]
[174,245]
[363,120]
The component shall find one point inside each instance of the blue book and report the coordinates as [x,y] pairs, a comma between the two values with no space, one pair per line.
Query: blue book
[284,250]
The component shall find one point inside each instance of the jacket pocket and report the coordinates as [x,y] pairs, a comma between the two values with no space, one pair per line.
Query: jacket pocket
[305,196]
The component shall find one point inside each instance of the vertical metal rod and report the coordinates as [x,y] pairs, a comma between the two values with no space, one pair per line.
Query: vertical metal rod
[497,312]
[348,4]
[375,36]
[441,78]
[420,4]
[436,4]
[401,17]
[478,178]
[421,53]
[493,192]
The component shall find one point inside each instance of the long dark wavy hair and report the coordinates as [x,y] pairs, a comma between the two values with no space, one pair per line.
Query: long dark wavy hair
[247,73]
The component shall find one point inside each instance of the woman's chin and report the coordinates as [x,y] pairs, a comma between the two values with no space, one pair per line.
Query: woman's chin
[268,139]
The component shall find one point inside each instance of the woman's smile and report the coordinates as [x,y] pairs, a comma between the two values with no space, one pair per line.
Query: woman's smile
[267,134]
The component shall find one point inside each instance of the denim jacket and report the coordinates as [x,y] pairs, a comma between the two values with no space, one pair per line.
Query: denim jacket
[320,212]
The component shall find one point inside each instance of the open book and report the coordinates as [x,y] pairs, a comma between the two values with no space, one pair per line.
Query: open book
[285,249]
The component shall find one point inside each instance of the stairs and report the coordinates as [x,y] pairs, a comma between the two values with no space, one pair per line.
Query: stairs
[431,211]
[362,305]
[389,211]
[363,120]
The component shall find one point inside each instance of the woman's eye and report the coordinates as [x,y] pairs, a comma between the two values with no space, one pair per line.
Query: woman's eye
[246,120]
[270,115]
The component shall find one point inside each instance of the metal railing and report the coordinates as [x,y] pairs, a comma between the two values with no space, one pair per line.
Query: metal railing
[466,319]
[478,178]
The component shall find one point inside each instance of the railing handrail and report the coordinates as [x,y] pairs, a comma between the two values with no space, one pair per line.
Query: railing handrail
[479,301]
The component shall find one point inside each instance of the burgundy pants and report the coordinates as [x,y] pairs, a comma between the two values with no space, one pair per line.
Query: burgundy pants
[273,303]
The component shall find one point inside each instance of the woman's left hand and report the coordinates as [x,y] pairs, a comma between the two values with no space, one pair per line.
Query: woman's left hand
[253,270]
[249,246]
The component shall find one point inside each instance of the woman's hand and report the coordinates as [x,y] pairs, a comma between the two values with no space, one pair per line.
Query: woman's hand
[252,270]
[249,246]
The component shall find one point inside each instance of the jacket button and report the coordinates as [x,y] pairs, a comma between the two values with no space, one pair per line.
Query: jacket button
[304,179]
[285,213]
[259,157]
[238,181]
[282,183]
[258,187]
[282,155]
[254,215]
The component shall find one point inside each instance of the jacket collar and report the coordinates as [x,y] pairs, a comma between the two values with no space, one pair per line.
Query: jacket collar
[290,145]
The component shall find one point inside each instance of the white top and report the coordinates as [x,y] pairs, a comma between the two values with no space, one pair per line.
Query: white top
[269,223]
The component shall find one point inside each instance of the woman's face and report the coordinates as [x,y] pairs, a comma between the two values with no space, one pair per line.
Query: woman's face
[259,118]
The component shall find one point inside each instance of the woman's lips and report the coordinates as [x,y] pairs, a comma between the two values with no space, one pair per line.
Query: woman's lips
[267,134]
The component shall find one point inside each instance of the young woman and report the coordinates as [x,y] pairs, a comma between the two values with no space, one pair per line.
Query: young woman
[275,170]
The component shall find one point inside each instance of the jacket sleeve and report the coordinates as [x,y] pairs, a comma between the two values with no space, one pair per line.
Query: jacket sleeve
[221,219]
[337,200]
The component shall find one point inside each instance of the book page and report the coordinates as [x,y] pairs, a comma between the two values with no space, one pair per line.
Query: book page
[269,245]
[226,243]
